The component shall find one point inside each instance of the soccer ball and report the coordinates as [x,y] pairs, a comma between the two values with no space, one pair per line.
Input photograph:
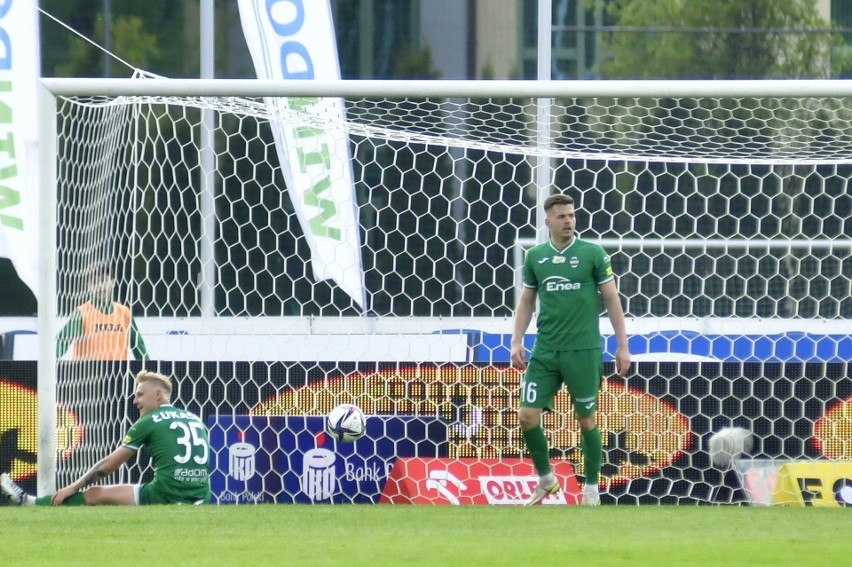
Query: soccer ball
[346,423]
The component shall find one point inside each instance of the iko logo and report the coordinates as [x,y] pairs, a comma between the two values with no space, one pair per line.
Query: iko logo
[241,461]
[557,283]
[319,481]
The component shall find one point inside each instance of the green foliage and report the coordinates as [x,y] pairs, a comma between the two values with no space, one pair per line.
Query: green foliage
[720,51]
[148,35]
[415,64]
[487,73]
[130,41]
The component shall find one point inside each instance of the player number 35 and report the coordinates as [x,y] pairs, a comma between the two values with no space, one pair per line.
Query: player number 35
[189,439]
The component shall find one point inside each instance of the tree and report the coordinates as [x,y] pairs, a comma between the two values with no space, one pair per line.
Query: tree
[415,64]
[732,39]
[131,42]
[151,35]
[710,39]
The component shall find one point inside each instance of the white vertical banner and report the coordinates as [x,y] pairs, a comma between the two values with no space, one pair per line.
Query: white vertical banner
[19,72]
[294,39]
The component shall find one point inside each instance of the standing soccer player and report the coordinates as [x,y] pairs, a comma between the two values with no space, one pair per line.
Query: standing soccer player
[101,328]
[175,439]
[568,275]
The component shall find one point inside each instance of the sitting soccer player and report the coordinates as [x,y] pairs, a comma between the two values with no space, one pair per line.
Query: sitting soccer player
[176,440]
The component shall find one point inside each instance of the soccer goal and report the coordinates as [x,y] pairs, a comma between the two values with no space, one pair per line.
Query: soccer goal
[289,246]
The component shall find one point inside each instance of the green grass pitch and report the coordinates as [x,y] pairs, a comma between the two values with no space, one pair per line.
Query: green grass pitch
[413,536]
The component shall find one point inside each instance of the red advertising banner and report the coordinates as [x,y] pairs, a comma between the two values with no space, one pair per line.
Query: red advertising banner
[473,481]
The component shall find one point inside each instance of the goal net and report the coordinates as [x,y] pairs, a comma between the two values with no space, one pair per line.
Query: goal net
[288,247]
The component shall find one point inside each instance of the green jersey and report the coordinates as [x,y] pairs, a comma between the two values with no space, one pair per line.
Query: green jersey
[178,444]
[567,282]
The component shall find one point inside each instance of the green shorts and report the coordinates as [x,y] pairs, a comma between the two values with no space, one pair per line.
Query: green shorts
[152,493]
[579,370]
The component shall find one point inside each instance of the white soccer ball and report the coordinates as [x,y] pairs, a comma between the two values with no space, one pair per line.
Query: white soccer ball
[728,444]
[346,423]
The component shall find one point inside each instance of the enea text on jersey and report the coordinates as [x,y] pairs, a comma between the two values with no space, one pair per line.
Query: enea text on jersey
[558,283]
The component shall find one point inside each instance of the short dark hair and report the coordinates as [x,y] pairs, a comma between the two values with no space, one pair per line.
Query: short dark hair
[99,270]
[557,199]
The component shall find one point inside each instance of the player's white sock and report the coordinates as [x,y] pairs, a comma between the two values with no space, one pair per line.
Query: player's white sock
[547,480]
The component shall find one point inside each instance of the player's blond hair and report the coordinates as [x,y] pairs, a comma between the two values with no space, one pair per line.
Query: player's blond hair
[161,380]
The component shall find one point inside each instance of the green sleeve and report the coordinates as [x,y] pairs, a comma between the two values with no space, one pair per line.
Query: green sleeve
[138,433]
[603,267]
[72,330]
[137,343]
[528,277]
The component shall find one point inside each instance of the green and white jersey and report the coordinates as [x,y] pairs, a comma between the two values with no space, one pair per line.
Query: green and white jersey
[179,447]
[567,282]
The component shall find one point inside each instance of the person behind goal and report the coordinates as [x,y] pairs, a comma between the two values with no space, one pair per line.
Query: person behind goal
[101,328]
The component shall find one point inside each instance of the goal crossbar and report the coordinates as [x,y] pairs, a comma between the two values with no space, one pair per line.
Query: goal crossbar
[448,88]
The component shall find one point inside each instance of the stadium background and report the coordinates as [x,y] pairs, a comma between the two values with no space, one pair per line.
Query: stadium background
[781,403]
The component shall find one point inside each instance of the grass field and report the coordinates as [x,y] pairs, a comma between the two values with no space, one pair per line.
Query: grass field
[413,536]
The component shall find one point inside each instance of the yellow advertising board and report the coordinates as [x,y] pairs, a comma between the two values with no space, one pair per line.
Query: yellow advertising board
[19,430]
[814,483]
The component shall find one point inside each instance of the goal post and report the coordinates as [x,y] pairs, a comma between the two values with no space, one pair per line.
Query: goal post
[724,205]
[46,293]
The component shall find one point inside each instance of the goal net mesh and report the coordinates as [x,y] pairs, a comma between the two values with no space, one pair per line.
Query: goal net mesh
[727,220]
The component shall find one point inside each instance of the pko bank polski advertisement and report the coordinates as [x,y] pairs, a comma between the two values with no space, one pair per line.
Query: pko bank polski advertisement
[289,459]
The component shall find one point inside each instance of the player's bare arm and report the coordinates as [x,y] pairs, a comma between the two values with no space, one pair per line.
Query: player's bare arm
[612,303]
[98,472]
[523,317]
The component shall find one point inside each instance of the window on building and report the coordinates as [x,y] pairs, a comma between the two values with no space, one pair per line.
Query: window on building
[575,50]
[371,34]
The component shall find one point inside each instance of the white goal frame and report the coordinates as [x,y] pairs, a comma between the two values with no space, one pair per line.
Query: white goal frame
[50,89]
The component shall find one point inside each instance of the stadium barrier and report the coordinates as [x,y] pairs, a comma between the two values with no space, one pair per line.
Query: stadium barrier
[656,422]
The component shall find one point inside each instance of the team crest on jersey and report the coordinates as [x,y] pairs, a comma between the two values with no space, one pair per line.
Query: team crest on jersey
[559,259]
[574,262]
